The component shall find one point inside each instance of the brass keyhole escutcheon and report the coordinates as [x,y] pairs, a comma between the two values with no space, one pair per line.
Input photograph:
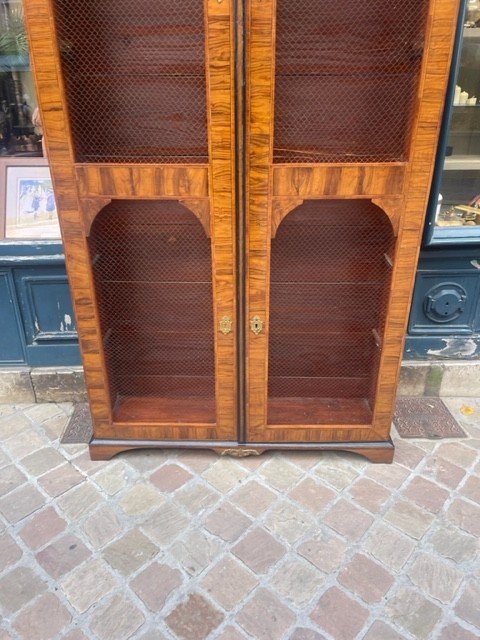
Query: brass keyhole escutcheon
[226,325]
[256,325]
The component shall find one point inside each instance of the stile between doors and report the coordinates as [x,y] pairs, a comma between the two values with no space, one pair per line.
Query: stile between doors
[241,259]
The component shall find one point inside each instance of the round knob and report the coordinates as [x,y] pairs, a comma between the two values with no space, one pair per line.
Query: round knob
[445,302]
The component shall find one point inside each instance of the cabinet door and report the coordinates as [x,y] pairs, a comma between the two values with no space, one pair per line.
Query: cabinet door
[343,104]
[137,106]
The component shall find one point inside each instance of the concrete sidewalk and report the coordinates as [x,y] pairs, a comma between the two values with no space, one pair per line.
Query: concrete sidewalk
[192,546]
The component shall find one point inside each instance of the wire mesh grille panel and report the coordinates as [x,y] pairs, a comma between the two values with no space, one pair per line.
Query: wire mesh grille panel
[135,79]
[346,79]
[153,278]
[330,277]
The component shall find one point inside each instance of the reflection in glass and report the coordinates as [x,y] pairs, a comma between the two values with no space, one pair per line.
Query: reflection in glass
[27,210]
[459,198]
[20,131]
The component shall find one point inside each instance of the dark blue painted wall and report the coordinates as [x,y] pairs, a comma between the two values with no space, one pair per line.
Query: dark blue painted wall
[445,317]
[37,325]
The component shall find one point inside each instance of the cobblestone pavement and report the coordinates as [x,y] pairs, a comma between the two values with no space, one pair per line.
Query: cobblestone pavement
[188,545]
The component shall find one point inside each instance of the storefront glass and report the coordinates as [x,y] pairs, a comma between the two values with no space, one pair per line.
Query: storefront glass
[27,203]
[455,204]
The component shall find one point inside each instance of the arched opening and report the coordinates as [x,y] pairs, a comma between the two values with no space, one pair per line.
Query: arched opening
[330,279]
[152,271]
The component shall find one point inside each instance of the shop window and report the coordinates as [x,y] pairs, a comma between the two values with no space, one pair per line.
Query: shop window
[27,202]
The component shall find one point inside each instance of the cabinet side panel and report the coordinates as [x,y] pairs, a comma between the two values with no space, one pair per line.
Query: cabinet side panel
[46,67]
[442,18]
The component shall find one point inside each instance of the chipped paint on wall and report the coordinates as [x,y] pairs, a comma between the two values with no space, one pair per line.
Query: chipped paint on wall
[455,348]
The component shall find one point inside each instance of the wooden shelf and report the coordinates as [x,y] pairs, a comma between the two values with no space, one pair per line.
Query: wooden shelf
[462,163]
[173,411]
[471,32]
[287,412]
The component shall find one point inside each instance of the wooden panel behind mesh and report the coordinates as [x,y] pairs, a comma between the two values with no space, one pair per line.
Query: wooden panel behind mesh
[346,79]
[135,79]
[153,278]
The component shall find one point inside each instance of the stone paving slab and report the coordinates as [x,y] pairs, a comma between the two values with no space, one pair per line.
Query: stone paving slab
[186,545]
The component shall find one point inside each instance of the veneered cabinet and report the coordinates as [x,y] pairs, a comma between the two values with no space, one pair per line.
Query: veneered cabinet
[241,188]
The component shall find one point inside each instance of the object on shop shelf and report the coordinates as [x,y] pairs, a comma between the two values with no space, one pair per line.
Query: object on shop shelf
[439,206]
[461,214]
[37,123]
[456,98]
[462,98]
[473,13]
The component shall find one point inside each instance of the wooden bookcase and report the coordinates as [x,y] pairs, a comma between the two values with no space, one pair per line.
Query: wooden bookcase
[241,189]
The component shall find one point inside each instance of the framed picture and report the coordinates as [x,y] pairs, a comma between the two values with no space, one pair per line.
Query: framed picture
[30,208]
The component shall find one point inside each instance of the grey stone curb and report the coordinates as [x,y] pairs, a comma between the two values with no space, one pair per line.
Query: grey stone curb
[66,384]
